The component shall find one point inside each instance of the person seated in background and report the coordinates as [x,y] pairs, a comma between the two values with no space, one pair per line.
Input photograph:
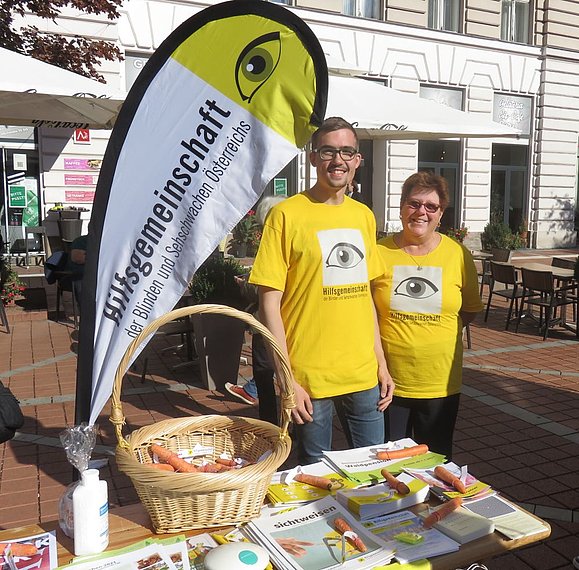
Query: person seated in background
[260,389]
[76,262]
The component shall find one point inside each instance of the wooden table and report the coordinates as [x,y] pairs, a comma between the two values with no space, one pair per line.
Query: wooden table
[559,272]
[131,523]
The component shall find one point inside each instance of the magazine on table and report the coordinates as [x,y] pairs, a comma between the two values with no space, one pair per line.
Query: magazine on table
[284,490]
[143,555]
[362,465]
[404,534]
[475,489]
[38,552]
[307,538]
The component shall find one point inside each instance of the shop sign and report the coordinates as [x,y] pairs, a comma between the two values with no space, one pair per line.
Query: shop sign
[17,197]
[82,163]
[79,195]
[81,136]
[280,186]
[513,111]
[80,180]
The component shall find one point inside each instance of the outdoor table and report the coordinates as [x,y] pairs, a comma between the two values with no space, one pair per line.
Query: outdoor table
[131,523]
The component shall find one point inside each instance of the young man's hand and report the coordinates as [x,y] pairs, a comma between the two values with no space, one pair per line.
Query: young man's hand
[303,411]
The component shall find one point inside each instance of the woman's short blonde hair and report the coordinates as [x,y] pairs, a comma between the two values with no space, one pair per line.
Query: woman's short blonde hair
[427,181]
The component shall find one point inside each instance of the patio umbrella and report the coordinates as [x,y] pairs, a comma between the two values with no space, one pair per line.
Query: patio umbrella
[35,93]
[379,112]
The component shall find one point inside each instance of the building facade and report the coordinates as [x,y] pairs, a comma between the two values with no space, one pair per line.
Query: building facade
[513,61]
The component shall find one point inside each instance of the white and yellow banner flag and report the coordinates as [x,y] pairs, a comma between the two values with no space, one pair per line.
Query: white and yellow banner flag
[221,107]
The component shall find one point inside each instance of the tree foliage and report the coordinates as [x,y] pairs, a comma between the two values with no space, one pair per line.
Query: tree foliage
[74,53]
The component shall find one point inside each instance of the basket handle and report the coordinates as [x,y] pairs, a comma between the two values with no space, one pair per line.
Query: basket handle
[285,376]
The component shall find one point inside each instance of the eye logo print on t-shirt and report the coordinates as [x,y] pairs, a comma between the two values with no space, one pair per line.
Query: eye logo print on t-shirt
[343,257]
[416,292]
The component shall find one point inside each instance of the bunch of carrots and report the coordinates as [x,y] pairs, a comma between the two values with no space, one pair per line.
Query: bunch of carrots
[170,461]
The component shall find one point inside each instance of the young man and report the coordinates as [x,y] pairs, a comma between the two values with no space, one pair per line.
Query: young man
[314,266]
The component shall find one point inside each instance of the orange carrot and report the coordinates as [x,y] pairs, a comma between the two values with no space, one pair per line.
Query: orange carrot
[19,548]
[400,487]
[342,527]
[401,453]
[213,468]
[445,475]
[227,462]
[161,466]
[444,511]
[315,481]
[173,459]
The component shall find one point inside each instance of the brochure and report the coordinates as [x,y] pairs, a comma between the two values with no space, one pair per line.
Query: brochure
[307,538]
[475,489]
[144,555]
[462,525]
[42,552]
[508,518]
[361,464]
[376,500]
[403,532]
[281,493]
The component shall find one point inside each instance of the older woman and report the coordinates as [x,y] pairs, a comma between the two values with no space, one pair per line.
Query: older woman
[427,295]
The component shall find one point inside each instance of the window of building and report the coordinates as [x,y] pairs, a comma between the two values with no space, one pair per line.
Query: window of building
[362,8]
[444,15]
[515,21]
[443,158]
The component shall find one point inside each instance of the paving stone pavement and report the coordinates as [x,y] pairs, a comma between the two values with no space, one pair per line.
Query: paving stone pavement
[518,426]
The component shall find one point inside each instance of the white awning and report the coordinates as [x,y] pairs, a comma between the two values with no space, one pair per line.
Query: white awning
[35,93]
[379,112]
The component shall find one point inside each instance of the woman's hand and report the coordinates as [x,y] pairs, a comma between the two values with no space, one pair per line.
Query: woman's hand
[386,387]
[303,411]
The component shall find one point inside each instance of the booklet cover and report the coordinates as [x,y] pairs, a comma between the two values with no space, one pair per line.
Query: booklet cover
[361,464]
[403,532]
[39,552]
[306,538]
[368,502]
[280,493]
[475,489]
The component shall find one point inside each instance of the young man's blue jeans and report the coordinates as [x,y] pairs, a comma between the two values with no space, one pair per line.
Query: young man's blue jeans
[358,412]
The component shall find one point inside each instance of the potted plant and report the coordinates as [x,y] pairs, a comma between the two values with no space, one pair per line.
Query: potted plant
[498,235]
[10,284]
[245,234]
[458,234]
[218,338]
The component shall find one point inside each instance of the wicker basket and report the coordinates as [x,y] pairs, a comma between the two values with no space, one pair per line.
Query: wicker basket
[184,501]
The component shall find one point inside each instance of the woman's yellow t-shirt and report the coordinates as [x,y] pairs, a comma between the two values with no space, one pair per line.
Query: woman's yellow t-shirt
[418,315]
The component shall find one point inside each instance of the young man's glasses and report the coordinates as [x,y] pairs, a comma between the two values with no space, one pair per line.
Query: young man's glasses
[428,206]
[329,152]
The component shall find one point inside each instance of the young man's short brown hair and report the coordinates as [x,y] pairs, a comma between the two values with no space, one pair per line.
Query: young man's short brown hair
[330,125]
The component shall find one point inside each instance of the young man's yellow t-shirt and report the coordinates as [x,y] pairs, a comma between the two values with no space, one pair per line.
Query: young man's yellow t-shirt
[323,258]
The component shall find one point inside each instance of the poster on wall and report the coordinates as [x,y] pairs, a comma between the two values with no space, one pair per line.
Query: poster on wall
[17,197]
[82,163]
[226,101]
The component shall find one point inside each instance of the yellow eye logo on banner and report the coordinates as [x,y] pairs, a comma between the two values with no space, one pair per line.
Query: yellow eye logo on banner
[261,65]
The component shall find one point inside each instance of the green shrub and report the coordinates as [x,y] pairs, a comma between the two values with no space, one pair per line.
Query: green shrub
[214,282]
[499,235]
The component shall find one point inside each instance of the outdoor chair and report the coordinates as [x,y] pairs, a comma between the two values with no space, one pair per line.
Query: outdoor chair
[539,290]
[567,263]
[40,247]
[506,275]
[499,254]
